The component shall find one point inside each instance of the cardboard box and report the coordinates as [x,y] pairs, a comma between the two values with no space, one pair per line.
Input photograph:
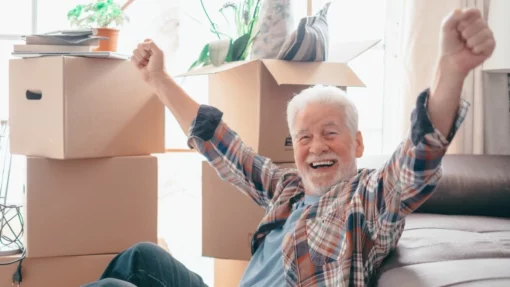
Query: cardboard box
[89,206]
[253,95]
[229,218]
[228,273]
[68,271]
[71,107]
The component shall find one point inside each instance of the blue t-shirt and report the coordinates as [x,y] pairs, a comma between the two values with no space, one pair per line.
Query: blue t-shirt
[266,266]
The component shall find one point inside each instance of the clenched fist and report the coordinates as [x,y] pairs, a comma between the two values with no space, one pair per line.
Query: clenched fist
[149,59]
[466,40]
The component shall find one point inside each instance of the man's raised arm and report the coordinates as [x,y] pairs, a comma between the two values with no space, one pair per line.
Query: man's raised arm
[466,42]
[407,180]
[236,163]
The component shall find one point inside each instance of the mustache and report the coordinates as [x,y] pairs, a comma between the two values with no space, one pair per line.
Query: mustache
[322,157]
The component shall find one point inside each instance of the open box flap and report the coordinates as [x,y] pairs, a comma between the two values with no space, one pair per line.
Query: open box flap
[210,69]
[344,52]
[295,73]
[312,73]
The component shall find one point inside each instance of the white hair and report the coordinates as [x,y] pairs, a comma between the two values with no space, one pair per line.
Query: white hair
[323,95]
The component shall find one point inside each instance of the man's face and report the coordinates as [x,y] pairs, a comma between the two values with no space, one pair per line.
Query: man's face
[325,149]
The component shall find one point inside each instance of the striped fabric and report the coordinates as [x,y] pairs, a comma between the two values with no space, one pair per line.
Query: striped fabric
[309,42]
[342,239]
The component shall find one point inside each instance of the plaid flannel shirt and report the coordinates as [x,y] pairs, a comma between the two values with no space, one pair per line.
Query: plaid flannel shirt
[342,239]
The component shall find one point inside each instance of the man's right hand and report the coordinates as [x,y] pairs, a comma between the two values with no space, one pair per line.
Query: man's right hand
[150,60]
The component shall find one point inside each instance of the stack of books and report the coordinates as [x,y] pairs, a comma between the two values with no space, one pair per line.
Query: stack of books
[62,42]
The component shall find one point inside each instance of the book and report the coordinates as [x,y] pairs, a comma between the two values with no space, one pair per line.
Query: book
[65,37]
[85,32]
[52,48]
[62,40]
[100,54]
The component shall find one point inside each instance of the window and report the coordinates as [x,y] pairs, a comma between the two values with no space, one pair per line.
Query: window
[351,21]
[5,51]
[15,21]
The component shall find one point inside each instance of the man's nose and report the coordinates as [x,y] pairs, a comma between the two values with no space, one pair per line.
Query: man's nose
[318,146]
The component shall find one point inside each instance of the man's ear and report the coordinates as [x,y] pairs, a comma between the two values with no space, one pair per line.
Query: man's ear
[360,147]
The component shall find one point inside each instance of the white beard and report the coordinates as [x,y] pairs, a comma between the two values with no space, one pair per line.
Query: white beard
[314,185]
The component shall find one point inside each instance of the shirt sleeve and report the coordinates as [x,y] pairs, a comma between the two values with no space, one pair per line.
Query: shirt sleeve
[236,163]
[410,176]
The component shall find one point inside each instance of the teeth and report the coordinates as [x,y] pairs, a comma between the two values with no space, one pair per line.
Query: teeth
[329,162]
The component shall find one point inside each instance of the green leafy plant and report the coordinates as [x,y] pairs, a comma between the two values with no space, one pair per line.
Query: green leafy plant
[98,14]
[244,15]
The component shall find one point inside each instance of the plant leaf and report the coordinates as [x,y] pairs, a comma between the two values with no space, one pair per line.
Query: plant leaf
[100,5]
[202,58]
[204,54]
[229,54]
[193,65]
[239,46]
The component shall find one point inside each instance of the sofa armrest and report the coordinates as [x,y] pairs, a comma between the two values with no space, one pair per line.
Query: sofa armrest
[471,185]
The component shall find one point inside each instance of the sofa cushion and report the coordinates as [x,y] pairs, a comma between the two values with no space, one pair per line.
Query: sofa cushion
[432,244]
[458,273]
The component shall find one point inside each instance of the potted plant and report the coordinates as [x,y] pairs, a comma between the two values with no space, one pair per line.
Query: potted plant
[233,46]
[104,17]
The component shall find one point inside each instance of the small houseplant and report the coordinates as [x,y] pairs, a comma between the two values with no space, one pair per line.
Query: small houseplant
[104,16]
[244,15]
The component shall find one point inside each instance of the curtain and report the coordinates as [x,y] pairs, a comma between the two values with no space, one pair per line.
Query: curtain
[483,131]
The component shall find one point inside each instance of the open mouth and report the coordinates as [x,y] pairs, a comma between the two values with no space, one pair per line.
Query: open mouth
[322,164]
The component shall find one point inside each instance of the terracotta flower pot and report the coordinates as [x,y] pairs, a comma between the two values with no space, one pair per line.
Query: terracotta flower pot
[109,44]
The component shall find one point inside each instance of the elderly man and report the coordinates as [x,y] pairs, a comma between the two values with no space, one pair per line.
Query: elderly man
[327,223]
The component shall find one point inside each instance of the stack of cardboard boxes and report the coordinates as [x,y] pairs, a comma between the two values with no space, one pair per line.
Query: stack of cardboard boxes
[253,96]
[88,128]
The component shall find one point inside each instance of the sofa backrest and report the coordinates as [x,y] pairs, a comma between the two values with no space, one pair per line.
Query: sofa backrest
[471,185]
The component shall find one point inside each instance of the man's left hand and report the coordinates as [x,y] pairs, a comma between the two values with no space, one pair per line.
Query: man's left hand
[466,40]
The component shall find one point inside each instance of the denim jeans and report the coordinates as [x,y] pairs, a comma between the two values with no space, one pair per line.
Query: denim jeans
[144,265]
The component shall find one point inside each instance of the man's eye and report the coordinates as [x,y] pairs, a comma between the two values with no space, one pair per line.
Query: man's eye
[304,137]
[331,133]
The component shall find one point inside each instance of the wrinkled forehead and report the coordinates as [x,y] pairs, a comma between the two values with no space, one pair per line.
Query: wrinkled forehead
[319,115]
